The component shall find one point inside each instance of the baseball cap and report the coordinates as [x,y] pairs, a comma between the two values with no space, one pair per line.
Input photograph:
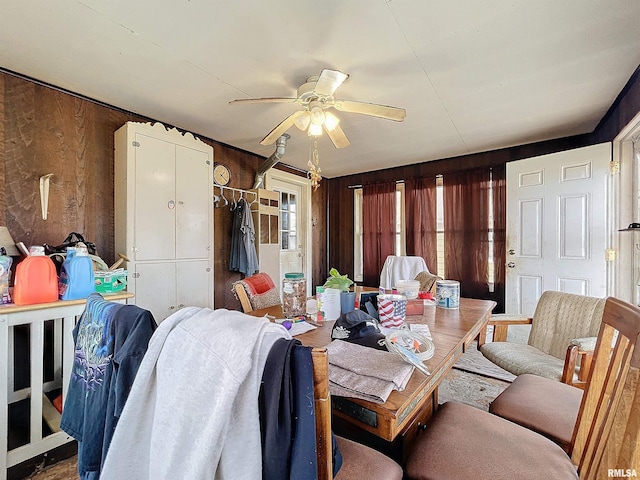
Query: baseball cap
[358,327]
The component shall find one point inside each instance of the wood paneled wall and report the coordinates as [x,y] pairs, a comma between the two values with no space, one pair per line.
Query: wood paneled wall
[48,131]
[45,130]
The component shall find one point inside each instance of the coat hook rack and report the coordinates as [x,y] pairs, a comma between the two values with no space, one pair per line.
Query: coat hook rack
[216,198]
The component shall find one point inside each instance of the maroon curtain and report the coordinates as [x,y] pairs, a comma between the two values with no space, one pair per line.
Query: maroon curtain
[466,234]
[420,220]
[499,184]
[378,228]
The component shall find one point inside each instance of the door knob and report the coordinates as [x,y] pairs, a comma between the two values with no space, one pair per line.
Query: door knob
[512,251]
[511,265]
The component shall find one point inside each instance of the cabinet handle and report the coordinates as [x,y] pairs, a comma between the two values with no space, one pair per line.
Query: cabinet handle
[171,307]
[422,426]
[171,204]
[181,305]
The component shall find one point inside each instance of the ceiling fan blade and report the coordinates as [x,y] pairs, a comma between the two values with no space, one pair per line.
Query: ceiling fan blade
[281,128]
[264,100]
[373,109]
[337,136]
[329,81]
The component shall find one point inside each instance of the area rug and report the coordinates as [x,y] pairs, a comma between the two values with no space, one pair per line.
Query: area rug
[474,362]
[470,388]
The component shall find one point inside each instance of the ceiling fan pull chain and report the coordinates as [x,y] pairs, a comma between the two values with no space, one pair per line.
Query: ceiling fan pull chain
[314,165]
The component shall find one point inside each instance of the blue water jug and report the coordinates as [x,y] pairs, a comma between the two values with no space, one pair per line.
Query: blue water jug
[76,275]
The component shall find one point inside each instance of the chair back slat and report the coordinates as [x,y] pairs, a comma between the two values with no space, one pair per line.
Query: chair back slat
[629,453]
[608,416]
[322,401]
[243,297]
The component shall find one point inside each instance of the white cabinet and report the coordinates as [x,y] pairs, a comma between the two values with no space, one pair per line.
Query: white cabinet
[164,216]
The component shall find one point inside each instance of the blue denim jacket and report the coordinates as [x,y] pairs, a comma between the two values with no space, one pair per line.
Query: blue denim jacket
[110,341]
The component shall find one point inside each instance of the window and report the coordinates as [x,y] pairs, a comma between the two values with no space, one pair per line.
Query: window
[400,244]
[357,236]
[440,226]
[289,221]
[400,248]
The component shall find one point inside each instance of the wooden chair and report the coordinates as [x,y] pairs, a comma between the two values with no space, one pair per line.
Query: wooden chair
[463,442]
[561,341]
[256,292]
[358,461]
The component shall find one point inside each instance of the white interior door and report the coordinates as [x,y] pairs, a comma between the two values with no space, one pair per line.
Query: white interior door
[556,226]
[294,230]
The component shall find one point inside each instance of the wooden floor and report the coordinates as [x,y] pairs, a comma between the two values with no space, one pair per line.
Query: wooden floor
[466,387]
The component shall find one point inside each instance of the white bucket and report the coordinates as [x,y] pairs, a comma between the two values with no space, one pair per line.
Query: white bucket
[447,293]
[408,288]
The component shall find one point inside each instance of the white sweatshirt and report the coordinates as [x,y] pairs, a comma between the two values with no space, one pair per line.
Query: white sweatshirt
[200,376]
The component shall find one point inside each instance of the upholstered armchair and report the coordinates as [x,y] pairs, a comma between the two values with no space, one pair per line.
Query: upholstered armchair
[562,338]
[256,292]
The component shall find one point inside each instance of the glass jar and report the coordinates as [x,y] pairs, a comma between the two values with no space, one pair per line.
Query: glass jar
[294,295]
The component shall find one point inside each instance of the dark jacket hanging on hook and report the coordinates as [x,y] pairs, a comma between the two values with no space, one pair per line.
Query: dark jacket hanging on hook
[244,258]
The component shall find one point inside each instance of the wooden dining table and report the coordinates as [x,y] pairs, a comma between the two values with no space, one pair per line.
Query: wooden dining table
[392,425]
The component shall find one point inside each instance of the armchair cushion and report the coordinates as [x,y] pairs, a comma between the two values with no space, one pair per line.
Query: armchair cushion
[520,358]
[542,405]
[360,462]
[561,317]
[266,299]
[466,442]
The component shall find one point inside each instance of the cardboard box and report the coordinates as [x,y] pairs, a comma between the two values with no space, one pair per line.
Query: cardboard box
[415,307]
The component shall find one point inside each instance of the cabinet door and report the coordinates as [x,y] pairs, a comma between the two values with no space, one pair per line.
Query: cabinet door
[154,285]
[155,199]
[194,203]
[194,284]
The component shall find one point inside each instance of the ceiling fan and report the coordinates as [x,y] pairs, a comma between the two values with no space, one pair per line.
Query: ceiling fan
[316,96]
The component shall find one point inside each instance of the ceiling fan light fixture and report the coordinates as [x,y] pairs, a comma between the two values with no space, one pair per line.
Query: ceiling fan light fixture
[317,113]
[330,121]
[302,122]
[314,129]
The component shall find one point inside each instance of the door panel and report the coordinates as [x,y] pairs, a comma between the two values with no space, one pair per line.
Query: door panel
[188,274]
[154,208]
[155,287]
[193,235]
[556,217]
[530,228]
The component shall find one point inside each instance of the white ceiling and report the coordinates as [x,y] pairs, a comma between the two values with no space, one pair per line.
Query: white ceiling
[472,75]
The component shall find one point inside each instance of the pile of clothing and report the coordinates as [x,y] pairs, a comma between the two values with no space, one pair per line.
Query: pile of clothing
[359,364]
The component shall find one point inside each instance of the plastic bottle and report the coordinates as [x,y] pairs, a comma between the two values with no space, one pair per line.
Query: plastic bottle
[36,280]
[76,275]
[5,273]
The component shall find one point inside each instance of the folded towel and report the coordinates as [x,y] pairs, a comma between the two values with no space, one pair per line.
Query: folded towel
[363,372]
